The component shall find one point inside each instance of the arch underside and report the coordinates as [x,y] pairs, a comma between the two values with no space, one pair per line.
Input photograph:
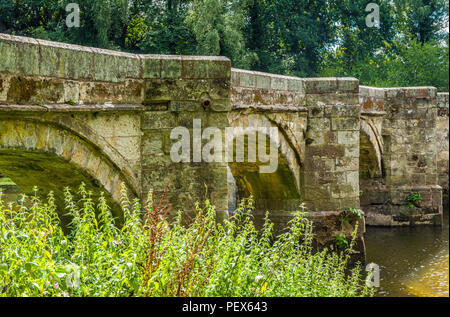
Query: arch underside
[371,172]
[52,158]
[370,149]
[49,173]
[277,192]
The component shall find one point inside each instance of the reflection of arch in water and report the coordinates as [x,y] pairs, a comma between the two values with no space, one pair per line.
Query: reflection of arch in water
[53,157]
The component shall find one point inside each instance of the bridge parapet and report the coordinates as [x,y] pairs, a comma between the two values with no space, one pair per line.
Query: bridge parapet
[54,72]
[129,102]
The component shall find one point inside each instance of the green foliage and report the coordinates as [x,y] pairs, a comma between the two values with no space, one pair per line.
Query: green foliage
[422,20]
[414,200]
[302,38]
[288,36]
[218,28]
[148,256]
[347,213]
[356,212]
[341,241]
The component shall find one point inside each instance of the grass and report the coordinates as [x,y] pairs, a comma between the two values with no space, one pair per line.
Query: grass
[150,256]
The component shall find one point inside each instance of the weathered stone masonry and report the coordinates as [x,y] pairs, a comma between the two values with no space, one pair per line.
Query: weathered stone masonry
[404,139]
[318,120]
[442,127]
[108,116]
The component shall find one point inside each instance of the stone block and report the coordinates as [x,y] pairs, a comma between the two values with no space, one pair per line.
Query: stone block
[331,99]
[65,60]
[263,82]
[342,110]
[151,66]
[319,124]
[235,78]
[345,123]
[171,67]
[320,164]
[317,193]
[128,146]
[115,66]
[295,85]
[32,91]
[348,137]
[96,92]
[330,151]
[347,164]
[219,88]
[221,105]
[247,79]
[279,83]
[348,85]
[19,55]
[8,52]
[152,143]
[158,120]
[320,85]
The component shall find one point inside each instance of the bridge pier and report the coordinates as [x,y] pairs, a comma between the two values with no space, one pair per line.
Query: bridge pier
[406,191]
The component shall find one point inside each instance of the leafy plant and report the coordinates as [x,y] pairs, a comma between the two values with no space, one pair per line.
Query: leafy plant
[341,241]
[71,102]
[150,256]
[356,211]
[414,200]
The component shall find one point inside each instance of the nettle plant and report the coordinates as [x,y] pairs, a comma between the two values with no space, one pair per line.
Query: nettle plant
[150,256]
[341,239]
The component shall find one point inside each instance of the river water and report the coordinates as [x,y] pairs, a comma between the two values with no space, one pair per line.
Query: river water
[413,261]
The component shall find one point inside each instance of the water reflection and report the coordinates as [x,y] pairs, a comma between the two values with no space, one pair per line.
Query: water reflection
[413,261]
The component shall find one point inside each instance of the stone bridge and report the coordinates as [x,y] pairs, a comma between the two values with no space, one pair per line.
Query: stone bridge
[70,114]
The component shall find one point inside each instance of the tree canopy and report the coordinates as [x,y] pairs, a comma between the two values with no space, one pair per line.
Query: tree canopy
[294,37]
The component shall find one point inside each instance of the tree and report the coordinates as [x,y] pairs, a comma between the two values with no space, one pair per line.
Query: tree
[218,27]
[422,19]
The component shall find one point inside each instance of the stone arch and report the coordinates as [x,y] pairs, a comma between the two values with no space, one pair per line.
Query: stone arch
[370,151]
[77,125]
[47,154]
[275,192]
[371,171]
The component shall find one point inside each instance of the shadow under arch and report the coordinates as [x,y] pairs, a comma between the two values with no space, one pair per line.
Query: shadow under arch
[277,192]
[373,193]
[53,157]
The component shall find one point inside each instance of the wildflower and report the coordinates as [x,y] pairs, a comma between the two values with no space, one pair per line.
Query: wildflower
[56,285]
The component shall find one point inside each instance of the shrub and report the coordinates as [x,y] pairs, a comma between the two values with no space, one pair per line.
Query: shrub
[150,256]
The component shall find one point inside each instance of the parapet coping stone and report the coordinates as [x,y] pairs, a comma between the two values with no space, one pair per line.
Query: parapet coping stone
[314,85]
[102,64]
[69,108]
[420,92]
